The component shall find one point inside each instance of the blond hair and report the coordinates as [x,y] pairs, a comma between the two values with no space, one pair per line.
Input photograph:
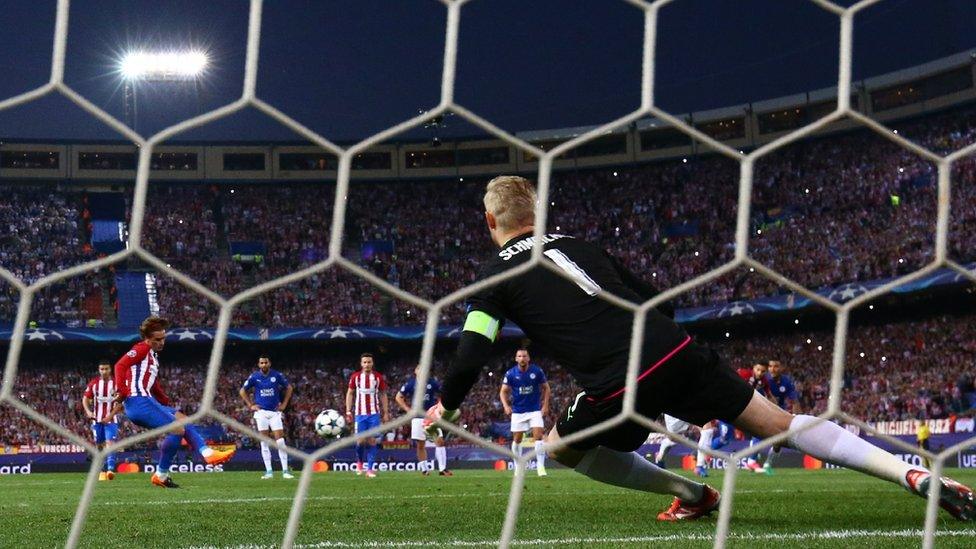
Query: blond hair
[511,199]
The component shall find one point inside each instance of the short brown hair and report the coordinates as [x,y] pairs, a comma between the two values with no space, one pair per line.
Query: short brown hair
[152,324]
[511,199]
[365,355]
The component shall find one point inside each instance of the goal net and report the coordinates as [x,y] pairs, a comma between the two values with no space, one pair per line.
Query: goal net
[647,108]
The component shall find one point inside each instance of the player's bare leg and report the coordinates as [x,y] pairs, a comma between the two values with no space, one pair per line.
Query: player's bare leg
[630,470]
[830,442]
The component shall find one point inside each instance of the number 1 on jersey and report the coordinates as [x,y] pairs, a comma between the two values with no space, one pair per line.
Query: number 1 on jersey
[575,272]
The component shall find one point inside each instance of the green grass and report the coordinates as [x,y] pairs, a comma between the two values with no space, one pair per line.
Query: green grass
[794,508]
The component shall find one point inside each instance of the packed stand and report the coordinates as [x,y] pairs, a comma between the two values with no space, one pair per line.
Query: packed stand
[831,210]
[192,228]
[913,370]
[843,208]
[44,230]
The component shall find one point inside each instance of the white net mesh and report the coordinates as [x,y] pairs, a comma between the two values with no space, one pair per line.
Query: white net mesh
[336,261]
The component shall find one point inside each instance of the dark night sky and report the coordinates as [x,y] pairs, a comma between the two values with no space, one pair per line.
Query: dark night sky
[350,68]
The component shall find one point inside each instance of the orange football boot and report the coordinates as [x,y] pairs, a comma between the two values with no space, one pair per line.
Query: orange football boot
[168,483]
[220,456]
[680,510]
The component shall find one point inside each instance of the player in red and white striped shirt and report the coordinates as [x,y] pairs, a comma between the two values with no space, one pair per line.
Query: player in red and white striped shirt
[148,406]
[100,406]
[368,388]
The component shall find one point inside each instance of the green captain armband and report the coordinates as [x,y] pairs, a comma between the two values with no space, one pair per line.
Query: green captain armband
[482,323]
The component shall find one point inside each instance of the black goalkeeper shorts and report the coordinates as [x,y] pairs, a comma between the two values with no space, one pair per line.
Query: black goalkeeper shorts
[694,385]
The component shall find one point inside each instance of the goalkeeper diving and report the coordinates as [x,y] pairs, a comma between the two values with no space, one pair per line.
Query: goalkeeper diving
[591,338]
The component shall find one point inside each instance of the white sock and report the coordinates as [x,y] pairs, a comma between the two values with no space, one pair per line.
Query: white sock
[666,445]
[266,456]
[831,442]
[440,452]
[630,470]
[704,441]
[206,451]
[282,454]
[421,465]
[769,456]
[517,450]
[162,476]
[540,450]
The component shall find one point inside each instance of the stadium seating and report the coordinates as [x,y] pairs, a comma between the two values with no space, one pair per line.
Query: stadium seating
[667,221]
[911,370]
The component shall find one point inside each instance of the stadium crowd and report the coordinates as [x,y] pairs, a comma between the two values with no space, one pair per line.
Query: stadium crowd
[912,370]
[842,208]
[41,232]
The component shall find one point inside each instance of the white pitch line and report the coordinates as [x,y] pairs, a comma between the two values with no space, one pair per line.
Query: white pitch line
[797,536]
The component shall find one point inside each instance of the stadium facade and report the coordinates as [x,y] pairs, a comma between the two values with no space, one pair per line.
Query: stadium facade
[908,93]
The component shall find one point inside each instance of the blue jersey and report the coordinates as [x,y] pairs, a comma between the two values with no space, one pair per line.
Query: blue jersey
[269,390]
[526,388]
[430,395]
[781,389]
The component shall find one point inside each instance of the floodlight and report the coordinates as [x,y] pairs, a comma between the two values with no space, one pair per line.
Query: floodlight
[170,65]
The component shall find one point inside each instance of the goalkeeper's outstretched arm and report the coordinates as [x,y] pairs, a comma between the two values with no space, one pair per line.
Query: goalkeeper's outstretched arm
[478,335]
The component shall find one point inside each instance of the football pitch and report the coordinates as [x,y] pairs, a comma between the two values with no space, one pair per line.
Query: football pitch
[793,508]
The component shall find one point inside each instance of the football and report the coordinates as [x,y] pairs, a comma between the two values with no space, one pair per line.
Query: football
[329,423]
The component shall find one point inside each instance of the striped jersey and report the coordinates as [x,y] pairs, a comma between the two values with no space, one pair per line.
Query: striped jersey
[137,374]
[368,388]
[760,384]
[101,392]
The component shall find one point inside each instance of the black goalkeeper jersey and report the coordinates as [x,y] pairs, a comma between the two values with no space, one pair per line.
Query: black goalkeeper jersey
[586,334]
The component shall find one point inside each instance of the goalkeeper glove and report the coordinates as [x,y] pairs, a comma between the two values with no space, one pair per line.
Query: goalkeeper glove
[437,412]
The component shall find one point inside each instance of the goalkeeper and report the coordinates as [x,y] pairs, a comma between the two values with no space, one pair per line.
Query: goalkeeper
[591,338]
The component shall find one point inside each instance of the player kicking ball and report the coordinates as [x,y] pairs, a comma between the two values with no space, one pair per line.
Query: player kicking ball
[100,407]
[418,433]
[591,337]
[272,393]
[137,380]
[525,396]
